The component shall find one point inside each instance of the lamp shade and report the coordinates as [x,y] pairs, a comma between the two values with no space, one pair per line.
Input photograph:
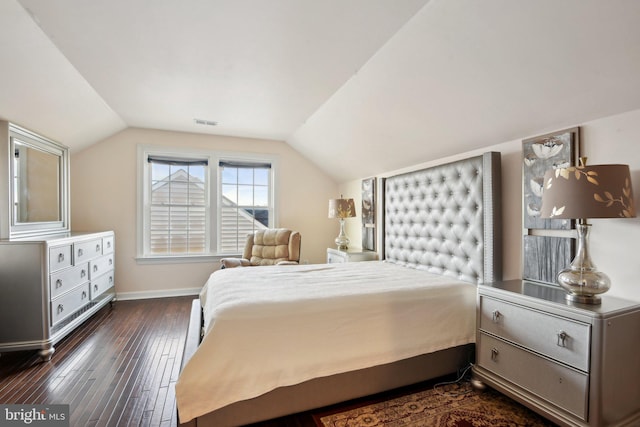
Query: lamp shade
[594,191]
[342,208]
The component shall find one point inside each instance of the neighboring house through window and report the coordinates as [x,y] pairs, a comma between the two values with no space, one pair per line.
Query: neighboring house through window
[196,204]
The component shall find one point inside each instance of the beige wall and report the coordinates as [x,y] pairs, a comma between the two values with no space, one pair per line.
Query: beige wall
[614,243]
[104,197]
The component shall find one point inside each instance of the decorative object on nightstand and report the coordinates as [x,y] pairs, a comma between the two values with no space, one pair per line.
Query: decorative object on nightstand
[582,192]
[342,208]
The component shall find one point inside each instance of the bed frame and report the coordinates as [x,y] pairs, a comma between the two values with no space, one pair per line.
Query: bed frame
[445,220]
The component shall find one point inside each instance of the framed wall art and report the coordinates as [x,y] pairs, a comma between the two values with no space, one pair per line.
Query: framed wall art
[547,243]
[369,214]
[539,154]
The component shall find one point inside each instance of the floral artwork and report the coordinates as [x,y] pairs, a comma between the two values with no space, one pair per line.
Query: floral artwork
[552,151]
[368,214]
[547,245]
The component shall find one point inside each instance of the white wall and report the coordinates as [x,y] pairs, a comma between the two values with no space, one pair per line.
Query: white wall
[104,194]
[614,243]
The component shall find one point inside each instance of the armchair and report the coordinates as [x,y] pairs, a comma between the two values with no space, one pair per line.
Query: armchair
[272,246]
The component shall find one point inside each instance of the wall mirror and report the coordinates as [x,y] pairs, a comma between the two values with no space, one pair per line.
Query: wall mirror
[38,185]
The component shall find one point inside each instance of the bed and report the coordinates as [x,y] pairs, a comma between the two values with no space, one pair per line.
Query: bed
[269,341]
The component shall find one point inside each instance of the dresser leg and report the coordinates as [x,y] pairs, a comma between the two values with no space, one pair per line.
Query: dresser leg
[477,384]
[46,353]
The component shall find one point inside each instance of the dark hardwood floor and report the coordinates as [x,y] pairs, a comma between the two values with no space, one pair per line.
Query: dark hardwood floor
[118,369]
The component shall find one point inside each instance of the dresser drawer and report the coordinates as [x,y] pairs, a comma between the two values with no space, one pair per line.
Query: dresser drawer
[63,280]
[565,340]
[100,266]
[100,284]
[107,245]
[562,386]
[59,257]
[87,250]
[66,304]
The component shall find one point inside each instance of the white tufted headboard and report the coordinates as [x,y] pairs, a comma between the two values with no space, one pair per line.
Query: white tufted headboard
[447,219]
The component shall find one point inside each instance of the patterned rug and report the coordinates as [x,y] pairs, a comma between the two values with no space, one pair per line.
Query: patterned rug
[452,405]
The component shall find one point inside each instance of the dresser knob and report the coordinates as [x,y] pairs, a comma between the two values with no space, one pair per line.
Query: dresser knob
[58,283]
[60,308]
[562,337]
[98,248]
[60,257]
[80,252]
[496,315]
[84,294]
[494,354]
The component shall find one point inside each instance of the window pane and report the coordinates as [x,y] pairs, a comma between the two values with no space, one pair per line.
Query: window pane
[245,195]
[229,175]
[245,176]
[230,192]
[261,196]
[261,176]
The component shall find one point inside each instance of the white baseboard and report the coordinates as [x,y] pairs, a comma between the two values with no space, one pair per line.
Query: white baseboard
[124,296]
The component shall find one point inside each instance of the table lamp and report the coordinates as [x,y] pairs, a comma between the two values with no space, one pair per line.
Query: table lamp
[342,208]
[582,192]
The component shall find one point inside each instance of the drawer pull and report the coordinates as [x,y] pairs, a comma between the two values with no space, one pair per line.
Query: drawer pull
[58,283]
[562,337]
[60,257]
[60,308]
[98,248]
[110,261]
[110,279]
[83,273]
[109,245]
[496,315]
[494,354]
[95,268]
[84,294]
[80,252]
[95,288]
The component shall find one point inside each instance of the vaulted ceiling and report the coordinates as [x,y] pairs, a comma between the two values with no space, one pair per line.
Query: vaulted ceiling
[358,86]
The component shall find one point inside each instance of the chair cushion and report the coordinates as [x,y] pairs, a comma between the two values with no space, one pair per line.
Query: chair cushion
[270,246]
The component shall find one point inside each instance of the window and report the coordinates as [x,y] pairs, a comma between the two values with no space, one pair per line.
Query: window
[245,188]
[201,204]
[178,206]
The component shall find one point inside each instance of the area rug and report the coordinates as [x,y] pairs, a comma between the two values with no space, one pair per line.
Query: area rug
[452,405]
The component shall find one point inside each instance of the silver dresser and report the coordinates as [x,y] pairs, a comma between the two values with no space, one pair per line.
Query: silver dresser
[49,285]
[576,364]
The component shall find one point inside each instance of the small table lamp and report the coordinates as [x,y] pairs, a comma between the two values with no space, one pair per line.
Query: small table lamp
[341,209]
[582,192]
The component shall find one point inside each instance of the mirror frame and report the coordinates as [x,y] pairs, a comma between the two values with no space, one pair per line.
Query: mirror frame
[9,226]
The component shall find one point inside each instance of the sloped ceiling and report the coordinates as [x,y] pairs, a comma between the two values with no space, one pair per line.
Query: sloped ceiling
[358,86]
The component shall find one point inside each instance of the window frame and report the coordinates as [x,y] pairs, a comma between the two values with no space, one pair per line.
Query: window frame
[213,197]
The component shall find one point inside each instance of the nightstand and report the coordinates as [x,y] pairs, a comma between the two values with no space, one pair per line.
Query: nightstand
[576,364]
[355,255]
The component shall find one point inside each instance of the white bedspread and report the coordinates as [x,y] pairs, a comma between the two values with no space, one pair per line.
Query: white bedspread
[273,326]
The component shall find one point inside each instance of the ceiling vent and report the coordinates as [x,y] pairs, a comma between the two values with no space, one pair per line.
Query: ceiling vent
[205,122]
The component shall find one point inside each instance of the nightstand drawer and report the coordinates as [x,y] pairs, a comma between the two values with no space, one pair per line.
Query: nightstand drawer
[563,339]
[561,386]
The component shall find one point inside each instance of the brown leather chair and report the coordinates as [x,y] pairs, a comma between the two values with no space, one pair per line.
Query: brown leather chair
[272,246]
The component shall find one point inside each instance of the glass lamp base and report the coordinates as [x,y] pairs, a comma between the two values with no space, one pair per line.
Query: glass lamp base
[584,286]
